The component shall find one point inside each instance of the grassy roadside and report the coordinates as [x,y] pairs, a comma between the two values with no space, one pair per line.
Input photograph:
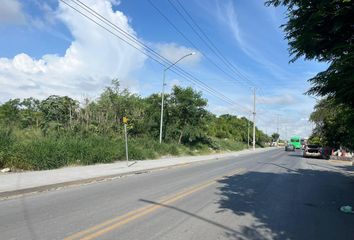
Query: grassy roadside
[30,150]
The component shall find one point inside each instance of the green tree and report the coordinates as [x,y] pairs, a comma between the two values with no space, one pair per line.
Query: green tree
[9,112]
[152,116]
[188,113]
[30,112]
[275,137]
[323,30]
[333,123]
[115,103]
[58,110]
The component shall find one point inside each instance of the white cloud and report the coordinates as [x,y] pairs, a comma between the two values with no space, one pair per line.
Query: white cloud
[293,118]
[11,12]
[93,58]
[173,52]
[174,82]
[278,100]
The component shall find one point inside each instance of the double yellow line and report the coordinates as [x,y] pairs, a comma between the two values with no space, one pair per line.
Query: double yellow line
[109,225]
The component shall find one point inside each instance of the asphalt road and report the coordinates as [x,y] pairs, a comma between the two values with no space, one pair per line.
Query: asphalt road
[269,195]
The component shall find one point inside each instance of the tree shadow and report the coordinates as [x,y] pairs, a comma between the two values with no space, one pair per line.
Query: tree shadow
[349,169]
[283,166]
[226,228]
[301,204]
[297,155]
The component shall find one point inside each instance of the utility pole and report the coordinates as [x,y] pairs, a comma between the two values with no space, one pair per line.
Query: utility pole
[278,123]
[162,98]
[254,119]
[286,132]
[248,134]
[278,129]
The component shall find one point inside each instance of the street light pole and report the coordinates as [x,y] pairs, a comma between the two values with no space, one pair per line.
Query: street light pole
[254,119]
[248,132]
[163,89]
[162,98]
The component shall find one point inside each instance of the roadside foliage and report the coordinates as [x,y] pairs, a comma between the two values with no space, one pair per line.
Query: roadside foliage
[323,31]
[59,131]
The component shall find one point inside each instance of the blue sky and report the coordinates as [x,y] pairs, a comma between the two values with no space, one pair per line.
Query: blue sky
[47,48]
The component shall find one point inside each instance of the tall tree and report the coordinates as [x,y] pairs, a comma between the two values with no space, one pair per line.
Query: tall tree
[30,112]
[117,103]
[188,110]
[275,137]
[9,112]
[323,30]
[58,109]
[333,123]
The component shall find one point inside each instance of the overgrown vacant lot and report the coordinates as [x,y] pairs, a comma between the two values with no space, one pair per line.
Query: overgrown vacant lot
[30,150]
[59,131]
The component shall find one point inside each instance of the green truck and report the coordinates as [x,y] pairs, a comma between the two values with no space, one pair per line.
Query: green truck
[295,141]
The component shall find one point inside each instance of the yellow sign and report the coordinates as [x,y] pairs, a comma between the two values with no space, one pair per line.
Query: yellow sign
[125,120]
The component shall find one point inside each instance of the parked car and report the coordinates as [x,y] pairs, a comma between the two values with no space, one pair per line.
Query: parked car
[312,150]
[289,147]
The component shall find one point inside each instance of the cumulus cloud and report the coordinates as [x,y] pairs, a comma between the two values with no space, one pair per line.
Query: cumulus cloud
[93,58]
[11,12]
[173,52]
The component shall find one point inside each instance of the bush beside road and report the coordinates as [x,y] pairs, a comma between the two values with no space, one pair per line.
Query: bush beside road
[37,152]
[59,131]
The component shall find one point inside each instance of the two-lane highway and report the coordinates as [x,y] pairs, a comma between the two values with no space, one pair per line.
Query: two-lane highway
[269,195]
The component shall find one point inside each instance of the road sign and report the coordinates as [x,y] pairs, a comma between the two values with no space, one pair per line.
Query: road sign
[125,120]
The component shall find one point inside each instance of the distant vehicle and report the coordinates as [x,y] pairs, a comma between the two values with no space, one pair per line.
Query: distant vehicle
[296,142]
[289,147]
[312,150]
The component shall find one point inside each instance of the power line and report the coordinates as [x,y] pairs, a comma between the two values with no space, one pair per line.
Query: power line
[102,18]
[196,47]
[207,41]
[220,55]
[151,53]
[208,89]
[181,71]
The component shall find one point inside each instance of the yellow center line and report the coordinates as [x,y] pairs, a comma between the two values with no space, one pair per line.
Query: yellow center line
[116,222]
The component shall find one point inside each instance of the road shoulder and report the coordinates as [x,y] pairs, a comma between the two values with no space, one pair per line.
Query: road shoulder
[15,184]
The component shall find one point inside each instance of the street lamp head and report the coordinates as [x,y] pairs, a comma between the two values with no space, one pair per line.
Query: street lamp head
[193,53]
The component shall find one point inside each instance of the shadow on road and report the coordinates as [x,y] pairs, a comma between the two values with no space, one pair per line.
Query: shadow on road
[283,166]
[349,169]
[301,204]
[226,228]
[295,154]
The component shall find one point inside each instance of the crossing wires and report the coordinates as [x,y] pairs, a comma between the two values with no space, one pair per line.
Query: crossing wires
[137,44]
[207,57]
[203,36]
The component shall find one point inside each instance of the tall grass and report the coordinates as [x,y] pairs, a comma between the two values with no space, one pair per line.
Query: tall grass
[31,150]
[7,139]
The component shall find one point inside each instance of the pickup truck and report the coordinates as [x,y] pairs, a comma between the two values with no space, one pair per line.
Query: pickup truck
[312,150]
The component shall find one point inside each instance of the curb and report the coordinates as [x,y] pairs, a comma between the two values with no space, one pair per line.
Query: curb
[32,190]
[348,162]
[45,188]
